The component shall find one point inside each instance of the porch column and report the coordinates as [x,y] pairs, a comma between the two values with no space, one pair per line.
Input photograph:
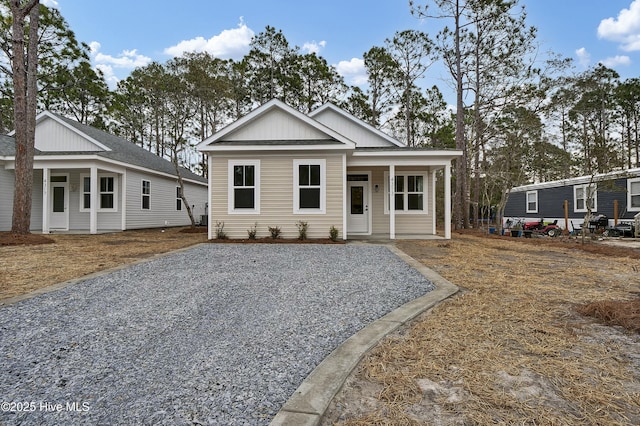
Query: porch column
[392,202]
[93,209]
[434,180]
[209,211]
[344,196]
[447,201]
[123,202]
[46,175]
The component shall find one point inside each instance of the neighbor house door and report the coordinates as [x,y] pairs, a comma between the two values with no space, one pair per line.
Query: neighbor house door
[59,203]
[358,204]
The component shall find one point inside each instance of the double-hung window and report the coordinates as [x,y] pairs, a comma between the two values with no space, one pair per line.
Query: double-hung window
[633,195]
[309,186]
[244,186]
[410,193]
[532,201]
[178,198]
[585,196]
[107,193]
[146,195]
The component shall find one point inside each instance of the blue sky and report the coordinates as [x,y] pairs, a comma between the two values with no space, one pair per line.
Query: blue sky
[124,34]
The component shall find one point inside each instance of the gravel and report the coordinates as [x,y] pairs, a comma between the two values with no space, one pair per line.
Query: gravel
[217,334]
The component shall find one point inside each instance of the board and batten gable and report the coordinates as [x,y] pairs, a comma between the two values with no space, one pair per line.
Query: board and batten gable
[274,125]
[51,136]
[277,195]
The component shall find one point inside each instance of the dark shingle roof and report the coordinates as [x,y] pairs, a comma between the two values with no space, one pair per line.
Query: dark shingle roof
[7,145]
[128,152]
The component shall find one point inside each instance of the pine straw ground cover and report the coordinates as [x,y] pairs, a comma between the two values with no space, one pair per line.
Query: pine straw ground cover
[511,347]
[28,267]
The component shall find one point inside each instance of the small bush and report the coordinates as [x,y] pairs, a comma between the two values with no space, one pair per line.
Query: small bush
[220,234]
[333,233]
[252,232]
[302,229]
[275,232]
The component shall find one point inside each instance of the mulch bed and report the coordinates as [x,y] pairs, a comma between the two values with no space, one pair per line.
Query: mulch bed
[613,312]
[9,239]
[270,240]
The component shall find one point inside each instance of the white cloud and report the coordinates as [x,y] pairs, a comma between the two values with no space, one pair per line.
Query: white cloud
[313,47]
[584,57]
[229,44]
[109,75]
[126,59]
[624,29]
[353,71]
[50,3]
[615,61]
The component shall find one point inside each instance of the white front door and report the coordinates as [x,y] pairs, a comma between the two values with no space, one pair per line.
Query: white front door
[358,204]
[59,203]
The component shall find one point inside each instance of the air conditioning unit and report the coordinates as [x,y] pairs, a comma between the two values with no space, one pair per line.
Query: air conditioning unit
[636,225]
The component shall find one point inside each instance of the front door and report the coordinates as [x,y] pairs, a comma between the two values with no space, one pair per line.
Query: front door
[358,204]
[59,203]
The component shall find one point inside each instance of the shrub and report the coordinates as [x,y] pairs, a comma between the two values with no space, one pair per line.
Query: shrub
[275,232]
[220,234]
[333,233]
[253,231]
[302,229]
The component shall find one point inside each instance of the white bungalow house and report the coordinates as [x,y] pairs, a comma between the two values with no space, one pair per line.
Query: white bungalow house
[277,167]
[87,180]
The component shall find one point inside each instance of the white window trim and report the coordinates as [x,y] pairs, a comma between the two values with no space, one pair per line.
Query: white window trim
[296,185]
[142,194]
[575,198]
[178,189]
[629,194]
[115,192]
[230,187]
[403,174]
[527,201]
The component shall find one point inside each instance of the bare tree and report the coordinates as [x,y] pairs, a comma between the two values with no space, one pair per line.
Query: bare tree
[26,16]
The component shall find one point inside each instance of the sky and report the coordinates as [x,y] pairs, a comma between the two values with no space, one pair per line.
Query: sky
[125,34]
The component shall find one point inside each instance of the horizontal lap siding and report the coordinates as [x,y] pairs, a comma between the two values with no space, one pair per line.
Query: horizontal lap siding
[6,195]
[405,223]
[276,198]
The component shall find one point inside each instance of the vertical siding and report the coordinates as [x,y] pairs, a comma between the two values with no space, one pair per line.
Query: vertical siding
[53,136]
[162,210]
[276,197]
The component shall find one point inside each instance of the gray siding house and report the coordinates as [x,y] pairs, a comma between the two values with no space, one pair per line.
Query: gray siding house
[603,192]
[87,180]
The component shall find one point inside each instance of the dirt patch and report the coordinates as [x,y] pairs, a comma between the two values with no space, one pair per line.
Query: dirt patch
[512,347]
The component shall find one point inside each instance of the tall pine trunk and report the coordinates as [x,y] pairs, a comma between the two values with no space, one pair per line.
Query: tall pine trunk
[25,98]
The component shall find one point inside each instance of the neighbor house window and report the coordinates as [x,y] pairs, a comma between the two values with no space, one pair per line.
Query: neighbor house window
[585,196]
[178,198]
[244,186]
[107,193]
[410,193]
[309,186]
[146,195]
[633,195]
[532,201]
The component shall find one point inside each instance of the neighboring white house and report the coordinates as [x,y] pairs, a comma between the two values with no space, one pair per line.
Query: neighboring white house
[278,167]
[87,180]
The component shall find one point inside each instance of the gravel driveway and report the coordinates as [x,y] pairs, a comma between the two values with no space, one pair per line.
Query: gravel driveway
[217,334]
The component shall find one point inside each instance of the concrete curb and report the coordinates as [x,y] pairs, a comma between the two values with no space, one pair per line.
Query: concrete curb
[309,402]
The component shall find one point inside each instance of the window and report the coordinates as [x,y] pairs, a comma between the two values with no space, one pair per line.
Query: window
[86,193]
[309,186]
[107,193]
[410,193]
[633,195]
[146,195]
[583,194]
[178,198]
[532,201]
[244,186]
